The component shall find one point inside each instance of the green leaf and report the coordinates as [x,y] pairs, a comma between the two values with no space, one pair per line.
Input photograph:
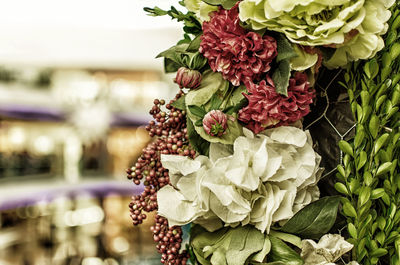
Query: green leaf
[180,103]
[365,194]
[349,210]
[359,138]
[315,219]
[377,193]
[260,256]
[237,101]
[198,111]
[186,39]
[378,252]
[285,49]
[211,83]
[340,187]
[362,159]
[368,179]
[367,70]
[192,25]
[238,252]
[380,237]
[289,238]
[183,55]
[374,126]
[352,230]
[384,168]
[373,67]
[386,199]
[395,51]
[380,142]
[235,108]
[341,170]
[215,102]
[170,66]
[194,44]
[226,4]
[198,143]
[194,61]
[346,147]
[192,257]
[174,53]
[231,246]
[156,11]
[365,98]
[354,185]
[281,77]
[280,252]
[390,38]
[199,122]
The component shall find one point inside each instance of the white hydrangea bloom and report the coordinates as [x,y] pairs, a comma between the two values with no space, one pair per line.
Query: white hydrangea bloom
[327,251]
[263,179]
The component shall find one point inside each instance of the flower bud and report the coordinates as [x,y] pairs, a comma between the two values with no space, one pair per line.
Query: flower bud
[215,123]
[188,78]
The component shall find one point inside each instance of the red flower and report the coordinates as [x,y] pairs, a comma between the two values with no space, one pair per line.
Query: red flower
[267,108]
[188,78]
[231,50]
[215,123]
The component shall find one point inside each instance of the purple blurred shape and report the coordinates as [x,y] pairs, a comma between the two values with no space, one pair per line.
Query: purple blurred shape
[31,113]
[124,119]
[52,114]
[100,189]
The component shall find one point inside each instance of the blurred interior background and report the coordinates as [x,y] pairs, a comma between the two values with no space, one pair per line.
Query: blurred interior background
[77,79]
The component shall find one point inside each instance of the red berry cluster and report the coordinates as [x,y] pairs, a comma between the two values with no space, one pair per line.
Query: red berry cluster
[170,129]
[168,241]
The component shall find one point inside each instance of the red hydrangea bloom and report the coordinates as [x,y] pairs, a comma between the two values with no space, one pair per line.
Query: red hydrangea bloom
[231,50]
[267,108]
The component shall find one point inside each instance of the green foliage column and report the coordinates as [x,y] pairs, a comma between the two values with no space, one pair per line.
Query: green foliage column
[369,178]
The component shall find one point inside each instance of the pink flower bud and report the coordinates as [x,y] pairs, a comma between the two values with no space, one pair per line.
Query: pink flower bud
[215,123]
[188,78]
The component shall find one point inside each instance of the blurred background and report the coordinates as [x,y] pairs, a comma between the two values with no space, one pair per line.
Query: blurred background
[77,79]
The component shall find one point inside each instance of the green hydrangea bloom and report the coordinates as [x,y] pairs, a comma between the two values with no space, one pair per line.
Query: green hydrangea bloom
[368,42]
[352,26]
[200,8]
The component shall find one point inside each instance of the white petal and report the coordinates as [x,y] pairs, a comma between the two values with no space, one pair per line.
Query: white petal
[273,164]
[249,134]
[288,135]
[328,250]
[210,222]
[180,164]
[260,160]
[173,206]
[186,187]
[285,210]
[243,178]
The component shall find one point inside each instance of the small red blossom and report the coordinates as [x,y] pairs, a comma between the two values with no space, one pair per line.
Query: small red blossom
[215,123]
[239,55]
[188,78]
[267,108]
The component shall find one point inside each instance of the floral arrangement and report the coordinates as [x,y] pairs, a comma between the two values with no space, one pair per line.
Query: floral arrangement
[231,172]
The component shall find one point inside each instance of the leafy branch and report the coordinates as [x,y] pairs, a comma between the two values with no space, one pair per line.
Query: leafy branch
[369,178]
[192,25]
